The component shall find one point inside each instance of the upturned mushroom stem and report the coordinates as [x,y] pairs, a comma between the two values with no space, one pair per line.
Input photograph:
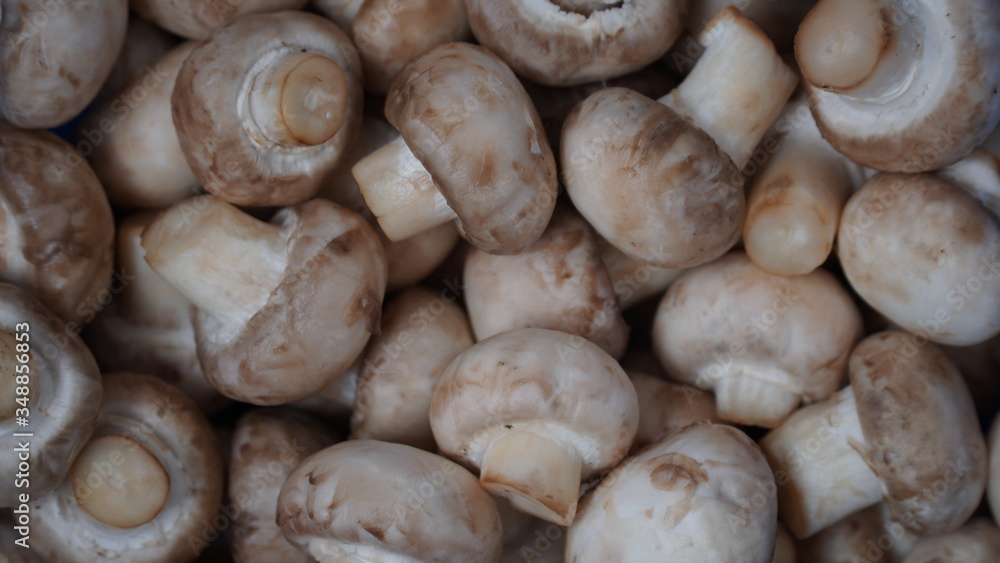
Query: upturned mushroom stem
[738,87]
[862,48]
[297,99]
[400,192]
[820,474]
[146,292]
[755,394]
[537,475]
[223,260]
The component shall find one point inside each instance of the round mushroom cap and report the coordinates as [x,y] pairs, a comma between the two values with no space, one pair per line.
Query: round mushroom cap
[64,393]
[55,58]
[560,283]
[652,184]
[196,19]
[377,501]
[57,225]
[142,417]
[539,381]
[569,42]
[922,437]
[705,493]
[763,342]
[924,253]
[469,122]
[232,150]
[976,542]
[267,446]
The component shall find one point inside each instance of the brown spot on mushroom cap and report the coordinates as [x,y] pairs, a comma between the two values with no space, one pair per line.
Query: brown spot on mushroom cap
[922,437]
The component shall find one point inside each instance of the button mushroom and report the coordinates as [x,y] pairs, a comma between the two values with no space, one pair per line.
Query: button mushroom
[924,253]
[867,534]
[661,181]
[149,327]
[471,147]
[702,494]
[364,500]
[558,283]
[142,488]
[135,151]
[538,411]
[55,57]
[976,542]
[196,19]
[267,445]
[763,343]
[267,106]
[905,430]
[145,43]
[665,407]
[634,280]
[568,42]
[283,307]
[336,400]
[422,332]
[49,378]
[902,86]
[58,230]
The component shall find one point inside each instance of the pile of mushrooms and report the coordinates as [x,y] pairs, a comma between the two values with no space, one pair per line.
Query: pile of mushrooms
[421,281]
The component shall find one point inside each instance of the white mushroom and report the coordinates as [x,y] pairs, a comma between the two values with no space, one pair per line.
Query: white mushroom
[866,534]
[633,280]
[976,542]
[196,19]
[665,407]
[145,43]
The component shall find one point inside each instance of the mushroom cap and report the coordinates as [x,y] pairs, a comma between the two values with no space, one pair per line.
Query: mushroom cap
[976,542]
[143,410]
[266,447]
[336,400]
[853,536]
[731,318]
[656,187]
[145,43]
[385,501]
[558,283]
[65,394]
[314,324]
[924,253]
[224,145]
[468,120]
[196,19]
[422,332]
[59,232]
[935,111]
[665,407]
[550,383]
[569,42]
[922,437]
[55,59]
[674,499]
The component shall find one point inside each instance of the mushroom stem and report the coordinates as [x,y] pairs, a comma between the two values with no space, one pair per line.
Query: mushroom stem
[738,87]
[863,48]
[223,260]
[538,476]
[821,475]
[297,99]
[400,192]
[756,394]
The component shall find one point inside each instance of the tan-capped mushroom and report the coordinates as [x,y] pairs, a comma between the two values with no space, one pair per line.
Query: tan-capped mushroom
[569,42]
[370,502]
[559,283]
[902,85]
[136,153]
[976,542]
[196,19]
[538,411]
[267,445]
[665,407]
[925,253]
[763,343]
[422,332]
[149,326]
[905,431]
[55,57]
[391,33]
[661,180]
[702,494]
[145,43]
[57,225]
[866,534]
[49,379]
[284,307]
[267,106]
[471,146]
[145,485]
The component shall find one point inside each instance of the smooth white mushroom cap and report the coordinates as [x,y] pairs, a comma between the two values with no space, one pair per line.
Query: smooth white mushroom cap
[701,494]
[976,542]
[196,19]
[379,502]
